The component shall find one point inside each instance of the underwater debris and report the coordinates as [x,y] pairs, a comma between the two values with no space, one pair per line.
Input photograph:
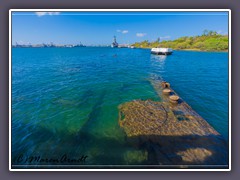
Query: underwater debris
[171,132]
[143,117]
[148,117]
[166,91]
[174,98]
[135,156]
[165,84]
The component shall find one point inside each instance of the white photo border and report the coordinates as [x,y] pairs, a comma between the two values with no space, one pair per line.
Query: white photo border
[119,10]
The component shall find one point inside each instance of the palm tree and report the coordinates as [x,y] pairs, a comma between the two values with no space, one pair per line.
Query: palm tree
[205,32]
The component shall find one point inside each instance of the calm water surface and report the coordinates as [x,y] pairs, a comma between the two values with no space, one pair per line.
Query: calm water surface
[65,100]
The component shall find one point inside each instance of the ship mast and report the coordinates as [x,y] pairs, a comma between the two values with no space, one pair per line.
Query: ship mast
[114,44]
[114,40]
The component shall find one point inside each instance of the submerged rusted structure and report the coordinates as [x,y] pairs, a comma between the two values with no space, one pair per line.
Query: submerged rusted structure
[171,131]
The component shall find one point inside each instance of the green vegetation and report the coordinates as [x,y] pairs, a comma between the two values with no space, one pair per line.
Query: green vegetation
[208,41]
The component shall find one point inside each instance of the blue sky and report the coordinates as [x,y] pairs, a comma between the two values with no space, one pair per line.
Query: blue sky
[98,28]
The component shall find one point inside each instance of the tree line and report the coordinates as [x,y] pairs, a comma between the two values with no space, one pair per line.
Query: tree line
[208,41]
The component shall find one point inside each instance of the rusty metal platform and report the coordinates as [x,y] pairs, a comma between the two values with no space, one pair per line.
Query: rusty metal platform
[172,133]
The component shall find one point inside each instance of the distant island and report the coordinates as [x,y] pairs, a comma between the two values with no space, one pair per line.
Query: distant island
[208,41]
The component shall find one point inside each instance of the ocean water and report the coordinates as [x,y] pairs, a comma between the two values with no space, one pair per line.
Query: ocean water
[65,100]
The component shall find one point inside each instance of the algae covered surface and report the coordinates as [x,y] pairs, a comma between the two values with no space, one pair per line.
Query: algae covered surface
[172,133]
[142,117]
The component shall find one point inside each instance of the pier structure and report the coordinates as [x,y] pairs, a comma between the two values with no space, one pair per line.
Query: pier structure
[171,132]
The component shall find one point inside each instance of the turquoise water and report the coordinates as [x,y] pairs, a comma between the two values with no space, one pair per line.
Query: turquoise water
[65,100]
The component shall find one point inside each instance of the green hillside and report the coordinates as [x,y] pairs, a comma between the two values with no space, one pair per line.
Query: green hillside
[208,41]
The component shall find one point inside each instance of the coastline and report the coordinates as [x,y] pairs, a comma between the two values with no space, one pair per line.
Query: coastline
[184,49]
[198,50]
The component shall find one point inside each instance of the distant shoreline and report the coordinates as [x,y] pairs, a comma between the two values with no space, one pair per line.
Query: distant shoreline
[184,49]
[199,50]
[209,41]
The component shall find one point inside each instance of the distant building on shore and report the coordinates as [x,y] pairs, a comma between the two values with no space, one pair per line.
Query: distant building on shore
[51,45]
[79,45]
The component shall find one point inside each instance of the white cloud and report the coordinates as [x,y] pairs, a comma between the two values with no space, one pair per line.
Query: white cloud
[122,31]
[141,34]
[46,13]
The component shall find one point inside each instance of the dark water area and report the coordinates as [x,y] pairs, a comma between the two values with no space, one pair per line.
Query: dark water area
[65,100]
